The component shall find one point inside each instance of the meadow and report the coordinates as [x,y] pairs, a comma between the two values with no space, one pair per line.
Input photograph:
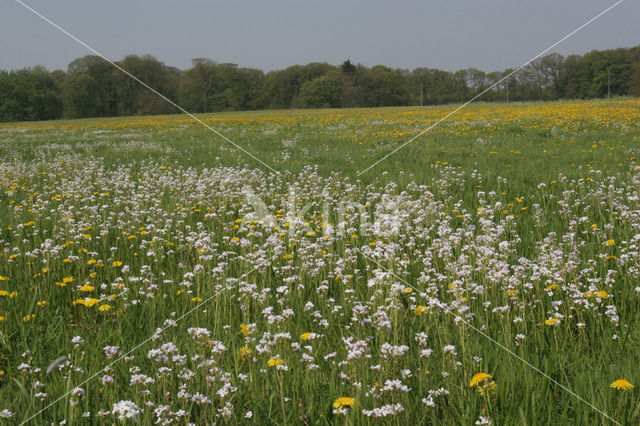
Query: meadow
[488,272]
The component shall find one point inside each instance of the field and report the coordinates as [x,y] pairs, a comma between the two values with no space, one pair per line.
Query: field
[213,289]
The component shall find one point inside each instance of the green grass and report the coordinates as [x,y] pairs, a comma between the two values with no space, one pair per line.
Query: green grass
[528,208]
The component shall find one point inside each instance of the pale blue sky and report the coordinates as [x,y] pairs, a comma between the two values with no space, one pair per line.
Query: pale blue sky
[273,34]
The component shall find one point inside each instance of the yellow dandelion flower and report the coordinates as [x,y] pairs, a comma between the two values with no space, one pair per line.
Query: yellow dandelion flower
[2,318]
[306,336]
[91,262]
[483,383]
[196,299]
[343,402]
[488,388]
[104,308]
[621,384]
[42,303]
[67,280]
[13,294]
[28,318]
[245,353]
[245,329]
[602,294]
[287,256]
[4,293]
[552,322]
[274,362]
[116,263]
[420,310]
[87,288]
[4,278]
[479,378]
[88,302]
[611,242]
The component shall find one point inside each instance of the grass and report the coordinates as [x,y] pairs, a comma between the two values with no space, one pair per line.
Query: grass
[517,220]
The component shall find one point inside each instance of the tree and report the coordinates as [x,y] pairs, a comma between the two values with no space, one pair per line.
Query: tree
[574,79]
[281,88]
[92,87]
[79,97]
[29,94]
[347,67]
[44,99]
[492,80]
[475,80]
[437,87]
[135,99]
[388,86]
[322,92]
[199,86]
[533,75]
[96,94]
[551,65]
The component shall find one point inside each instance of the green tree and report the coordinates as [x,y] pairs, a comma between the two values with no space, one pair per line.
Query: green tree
[389,87]
[322,92]
[135,99]
[95,94]
[200,86]
[281,88]
[552,67]
[29,94]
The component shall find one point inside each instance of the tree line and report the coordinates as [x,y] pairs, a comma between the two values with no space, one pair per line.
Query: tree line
[92,87]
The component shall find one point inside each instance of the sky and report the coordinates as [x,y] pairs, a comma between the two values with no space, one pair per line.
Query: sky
[273,34]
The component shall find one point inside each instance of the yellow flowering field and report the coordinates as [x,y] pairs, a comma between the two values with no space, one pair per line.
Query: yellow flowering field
[152,272]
